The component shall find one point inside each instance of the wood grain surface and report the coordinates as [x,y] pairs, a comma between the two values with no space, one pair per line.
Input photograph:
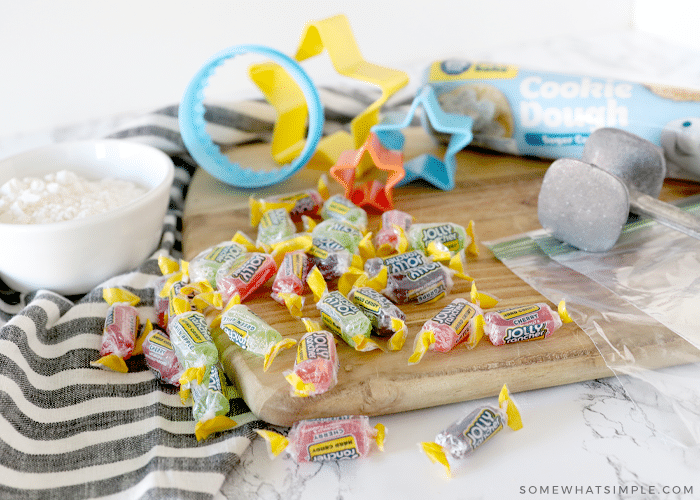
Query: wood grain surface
[499,193]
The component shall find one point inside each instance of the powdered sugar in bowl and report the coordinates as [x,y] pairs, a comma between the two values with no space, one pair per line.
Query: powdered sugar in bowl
[75,214]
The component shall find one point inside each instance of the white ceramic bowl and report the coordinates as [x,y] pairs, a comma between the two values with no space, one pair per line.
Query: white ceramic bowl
[72,257]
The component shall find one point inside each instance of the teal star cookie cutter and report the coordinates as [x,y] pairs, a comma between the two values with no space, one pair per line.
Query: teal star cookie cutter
[439,173]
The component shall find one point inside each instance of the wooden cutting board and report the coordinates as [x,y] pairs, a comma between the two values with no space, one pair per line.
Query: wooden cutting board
[499,193]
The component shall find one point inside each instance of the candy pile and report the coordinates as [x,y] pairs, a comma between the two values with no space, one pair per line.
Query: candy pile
[358,281]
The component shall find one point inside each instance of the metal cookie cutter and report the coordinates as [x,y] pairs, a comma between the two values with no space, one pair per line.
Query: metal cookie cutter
[440,174]
[207,154]
[335,36]
[355,169]
[586,202]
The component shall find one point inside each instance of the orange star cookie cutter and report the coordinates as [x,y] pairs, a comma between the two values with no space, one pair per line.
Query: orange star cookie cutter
[357,171]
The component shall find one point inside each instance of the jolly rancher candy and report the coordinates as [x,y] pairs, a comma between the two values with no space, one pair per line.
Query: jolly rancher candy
[330,257]
[308,202]
[340,315]
[442,238]
[345,233]
[203,266]
[387,319]
[396,264]
[275,226]
[247,330]
[467,434]
[316,365]
[245,275]
[191,340]
[459,321]
[529,322]
[210,404]
[338,207]
[290,281]
[120,329]
[423,283]
[160,356]
[327,439]
[390,238]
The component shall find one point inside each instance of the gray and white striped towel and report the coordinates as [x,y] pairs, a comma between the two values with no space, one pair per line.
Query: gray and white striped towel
[70,431]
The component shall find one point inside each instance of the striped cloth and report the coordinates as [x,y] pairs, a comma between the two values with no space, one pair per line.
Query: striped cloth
[70,431]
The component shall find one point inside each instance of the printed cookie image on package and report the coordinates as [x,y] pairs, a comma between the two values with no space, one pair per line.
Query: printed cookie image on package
[550,115]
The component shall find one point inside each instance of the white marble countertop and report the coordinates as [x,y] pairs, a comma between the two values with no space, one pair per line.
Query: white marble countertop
[611,438]
[585,440]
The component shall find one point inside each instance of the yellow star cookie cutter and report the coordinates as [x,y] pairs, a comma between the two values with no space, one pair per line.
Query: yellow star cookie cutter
[335,36]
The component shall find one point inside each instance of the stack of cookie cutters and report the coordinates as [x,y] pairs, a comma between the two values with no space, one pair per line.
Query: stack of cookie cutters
[297,133]
[439,173]
[355,168]
[586,202]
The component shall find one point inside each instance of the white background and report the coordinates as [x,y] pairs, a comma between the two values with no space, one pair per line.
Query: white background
[63,63]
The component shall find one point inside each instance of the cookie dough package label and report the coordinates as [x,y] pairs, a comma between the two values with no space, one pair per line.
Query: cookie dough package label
[550,115]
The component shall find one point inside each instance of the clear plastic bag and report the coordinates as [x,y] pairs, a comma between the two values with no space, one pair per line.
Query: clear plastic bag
[639,303]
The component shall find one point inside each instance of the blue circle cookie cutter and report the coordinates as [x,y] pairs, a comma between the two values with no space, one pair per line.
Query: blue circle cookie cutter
[208,155]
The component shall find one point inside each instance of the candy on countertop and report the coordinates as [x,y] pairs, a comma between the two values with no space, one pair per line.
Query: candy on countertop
[308,202]
[387,319]
[290,281]
[245,275]
[527,322]
[275,225]
[120,330]
[338,207]
[325,439]
[398,264]
[316,364]
[465,435]
[459,321]
[341,316]
[204,265]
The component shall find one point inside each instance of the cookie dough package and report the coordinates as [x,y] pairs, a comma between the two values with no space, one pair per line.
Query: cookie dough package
[550,115]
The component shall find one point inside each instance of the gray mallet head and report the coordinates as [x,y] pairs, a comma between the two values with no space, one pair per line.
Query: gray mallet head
[583,205]
[636,161]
